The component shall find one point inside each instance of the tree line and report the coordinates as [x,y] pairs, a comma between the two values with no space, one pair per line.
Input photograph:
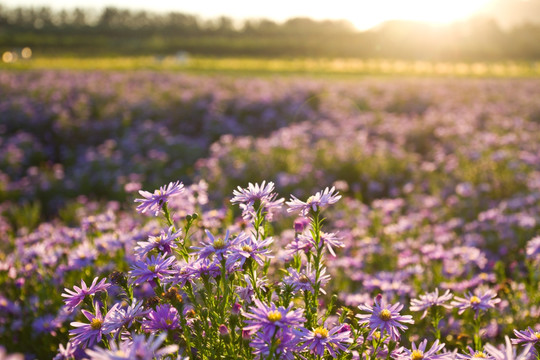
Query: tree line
[115,31]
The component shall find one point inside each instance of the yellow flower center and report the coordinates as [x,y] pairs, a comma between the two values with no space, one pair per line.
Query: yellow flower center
[377,335]
[417,355]
[218,244]
[152,268]
[483,276]
[321,332]
[475,300]
[537,334]
[274,316]
[247,248]
[96,323]
[168,322]
[385,315]
[303,279]
[480,354]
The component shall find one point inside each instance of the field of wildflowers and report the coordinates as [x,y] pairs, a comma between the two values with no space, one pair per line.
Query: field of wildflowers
[154,215]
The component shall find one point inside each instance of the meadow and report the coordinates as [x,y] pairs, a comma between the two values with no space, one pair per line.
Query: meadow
[183,214]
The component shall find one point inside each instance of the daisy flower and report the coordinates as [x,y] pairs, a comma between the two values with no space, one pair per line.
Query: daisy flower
[78,294]
[429,300]
[88,334]
[164,243]
[269,318]
[384,318]
[482,302]
[138,348]
[165,317]
[420,353]
[314,203]
[321,339]
[528,336]
[155,267]
[247,247]
[154,202]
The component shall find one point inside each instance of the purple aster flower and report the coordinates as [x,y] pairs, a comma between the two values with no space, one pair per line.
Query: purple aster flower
[287,345]
[321,339]
[74,297]
[252,193]
[474,355]
[384,317]
[304,281]
[86,335]
[533,248]
[154,202]
[164,243]
[528,336]
[138,348]
[165,317]
[124,317]
[204,267]
[315,202]
[248,247]
[477,303]
[246,198]
[508,352]
[246,293]
[46,324]
[270,318]
[300,243]
[65,353]
[217,246]
[430,300]
[155,267]
[420,353]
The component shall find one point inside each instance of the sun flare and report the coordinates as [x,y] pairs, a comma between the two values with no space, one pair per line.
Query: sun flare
[438,12]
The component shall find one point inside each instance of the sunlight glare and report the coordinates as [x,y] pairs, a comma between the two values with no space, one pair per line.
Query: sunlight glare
[436,12]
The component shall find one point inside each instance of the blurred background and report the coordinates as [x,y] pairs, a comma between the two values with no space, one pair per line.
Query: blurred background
[419,30]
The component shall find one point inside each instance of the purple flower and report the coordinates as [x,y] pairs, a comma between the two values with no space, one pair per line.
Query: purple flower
[533,248]
[320,339]
[164,243]
[270,318]
[247,247]
[124,317]
[474,355]
[87,335]
[203,267]
[508,353]
[154,202]
[138,348]
[74,297]
[430,300]
[384,317]
[46,324]
[263,193]
[528,336]
[165,317]
[216,246]
[66,353]
[304,281]
[314,203]
[252,193]
[420,353]
[477,303]
[246,293]
[155,267]
[286,341]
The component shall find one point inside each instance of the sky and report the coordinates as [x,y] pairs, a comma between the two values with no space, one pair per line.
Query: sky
[364,14]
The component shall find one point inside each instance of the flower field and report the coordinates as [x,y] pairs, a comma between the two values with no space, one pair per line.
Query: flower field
[161,215]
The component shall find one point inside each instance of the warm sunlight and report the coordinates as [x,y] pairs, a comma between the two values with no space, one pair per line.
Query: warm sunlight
[363,14]
[419,10]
